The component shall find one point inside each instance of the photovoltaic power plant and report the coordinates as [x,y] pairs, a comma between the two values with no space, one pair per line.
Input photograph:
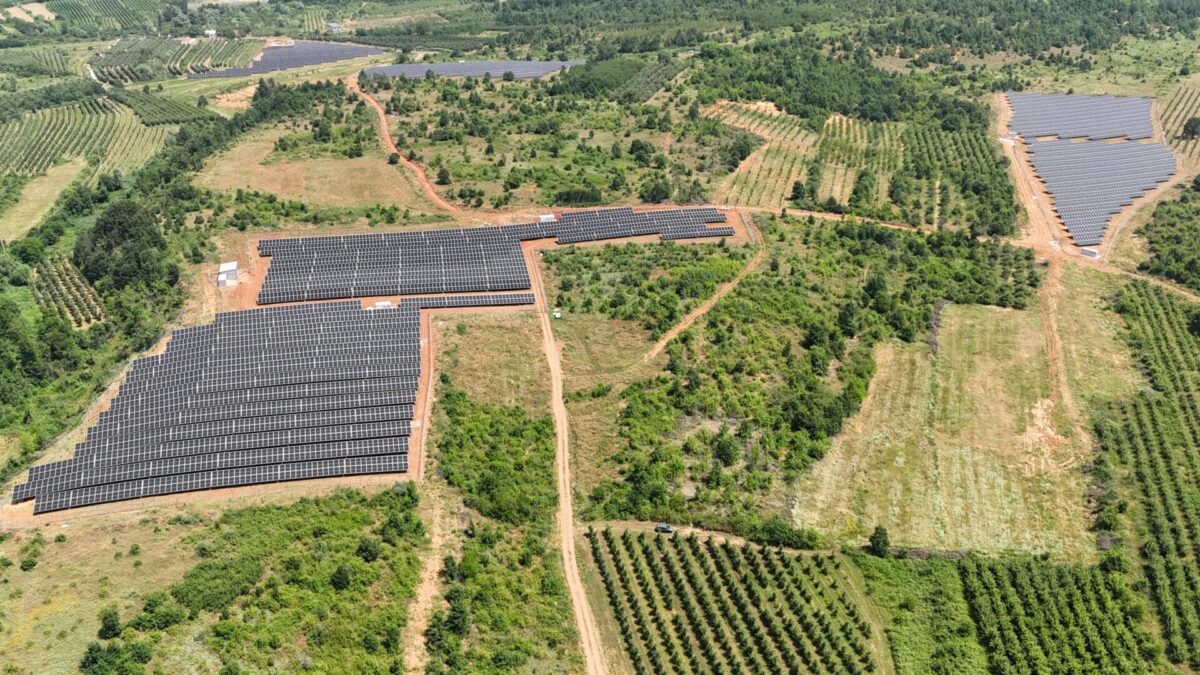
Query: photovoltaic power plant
[1074,116]
[1090,178]
[521,70]
[258,396]
[299,55]
[1093,181]
[486,259]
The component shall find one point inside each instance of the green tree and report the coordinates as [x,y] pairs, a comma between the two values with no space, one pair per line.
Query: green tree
[110,623]
[1191,128]
[443,176]
[125,247]
[880,542]
[655,189]
[341,578]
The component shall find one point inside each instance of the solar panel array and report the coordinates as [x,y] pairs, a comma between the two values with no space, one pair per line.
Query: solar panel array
[1092,181]
[1074,116]
[299,55]
[485,259]
[264,395]
[522,70]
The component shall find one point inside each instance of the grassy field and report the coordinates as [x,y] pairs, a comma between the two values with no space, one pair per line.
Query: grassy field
[928,621]
[495,357]
[1135,67]
[37,198]
[504,574]
[50,612]
[324,181]
[962,450]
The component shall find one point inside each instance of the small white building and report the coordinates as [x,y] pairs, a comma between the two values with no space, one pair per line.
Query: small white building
[546,218]
[334,26]
[210,33]
[227,274]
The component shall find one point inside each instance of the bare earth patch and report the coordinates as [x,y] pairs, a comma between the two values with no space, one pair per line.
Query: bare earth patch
[38,10]
[969,449]
[19,14]
[238,99]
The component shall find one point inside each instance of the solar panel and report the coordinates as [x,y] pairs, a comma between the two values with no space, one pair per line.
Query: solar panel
[521,70]
[477,260]
[263,395]
[299,55]
[1090,178]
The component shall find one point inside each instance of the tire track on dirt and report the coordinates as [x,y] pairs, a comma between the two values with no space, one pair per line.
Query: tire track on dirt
[389,145]
[585,621]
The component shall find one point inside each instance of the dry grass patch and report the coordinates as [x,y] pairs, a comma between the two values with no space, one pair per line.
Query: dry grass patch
[37,198]
[51,611]
[495,357]
[328,181]
[966,450]
[1098,364]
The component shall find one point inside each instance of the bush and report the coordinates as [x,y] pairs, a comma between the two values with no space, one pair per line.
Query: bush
[110,623]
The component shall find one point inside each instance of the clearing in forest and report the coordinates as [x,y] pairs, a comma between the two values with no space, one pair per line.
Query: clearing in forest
[961,450]
[318,181]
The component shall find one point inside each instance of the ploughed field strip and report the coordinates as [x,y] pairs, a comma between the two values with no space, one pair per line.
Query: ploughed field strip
[258,396]
[299,55]
[521,70]
[486,259]
[1090,180]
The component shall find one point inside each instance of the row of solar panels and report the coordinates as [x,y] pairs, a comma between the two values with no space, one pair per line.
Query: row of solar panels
[521,70]
[302,54]
[232,403]
[1075,116]
[1091,181]
[452,261]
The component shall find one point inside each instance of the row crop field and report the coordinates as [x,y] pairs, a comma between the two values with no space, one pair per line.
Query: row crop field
[136,59]
[94,16]
[60,289]
[34,62]
[99,129]
[1156,438]
[1034,617]
[916,173]
[765,178]
[155,110]
[683,605]
[1183,105]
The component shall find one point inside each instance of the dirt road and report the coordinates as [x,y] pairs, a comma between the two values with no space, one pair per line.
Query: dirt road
[585,621]
[390,145]
[704,307]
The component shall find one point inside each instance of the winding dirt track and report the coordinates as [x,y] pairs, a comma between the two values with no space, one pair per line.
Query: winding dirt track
[390,145]
[585,621]
[704,307]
